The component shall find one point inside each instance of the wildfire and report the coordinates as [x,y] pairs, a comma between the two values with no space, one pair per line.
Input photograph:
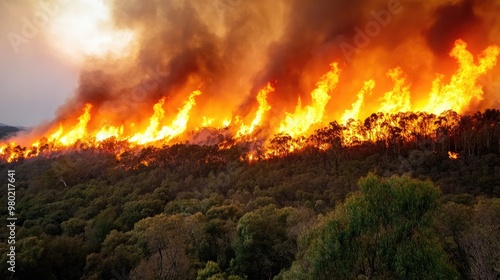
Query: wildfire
[109,131]
[226,123]
[207,122]
[394,122]
[264,107]
[154,133]
[356,106]
[77,133]
[5,149]
[299,122]
[398,99]
[453,155]
[151,133]
[463,87]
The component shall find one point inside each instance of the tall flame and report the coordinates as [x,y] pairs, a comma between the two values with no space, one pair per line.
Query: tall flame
[356,106]
[392,122]
[264,107]
[304,117]
[77,133]
[153,132]
[179,124]
[463,86]
[398,99]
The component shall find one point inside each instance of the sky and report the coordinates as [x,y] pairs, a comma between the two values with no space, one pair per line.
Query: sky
[43,44]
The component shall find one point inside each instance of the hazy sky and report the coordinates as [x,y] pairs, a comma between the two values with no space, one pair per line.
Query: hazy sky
[33,83]
[42,47]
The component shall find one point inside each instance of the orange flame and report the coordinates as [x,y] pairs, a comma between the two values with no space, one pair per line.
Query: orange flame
[356,106]
[398,99]
[394,122]
[259,115]
[453,155]
[153,133]
[109,131]
[299,122]
[226,123]
[207,122]
[463,86]
[77,133]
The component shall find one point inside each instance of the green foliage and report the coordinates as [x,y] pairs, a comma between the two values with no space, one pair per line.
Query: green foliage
[48,257]
[137,210]
[469,233]
[211,271]
[118,251]
[173,243]
[262,246]
[97,229]
[73,226]
[383,232]
[194,205]
[30,255]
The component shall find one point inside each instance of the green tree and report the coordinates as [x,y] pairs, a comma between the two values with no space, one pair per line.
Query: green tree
[470,235]
[120,250]
[211,269]
[97,229]
[172,242]
[263,246]
[383,232]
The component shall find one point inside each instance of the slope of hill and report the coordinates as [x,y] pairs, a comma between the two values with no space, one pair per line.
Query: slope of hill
[388,209]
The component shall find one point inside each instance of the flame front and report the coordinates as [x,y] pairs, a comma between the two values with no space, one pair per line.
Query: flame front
[398,99]
[151,134]
[154,133]
[353,113]
[78,132]
[109,131]
[463,87]
[264,107]
[303,118]
[281,132]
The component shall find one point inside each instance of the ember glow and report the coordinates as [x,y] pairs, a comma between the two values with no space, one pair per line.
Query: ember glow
[200,74]
[453,155]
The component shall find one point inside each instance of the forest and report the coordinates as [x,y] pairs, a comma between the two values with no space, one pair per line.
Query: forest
[418,199]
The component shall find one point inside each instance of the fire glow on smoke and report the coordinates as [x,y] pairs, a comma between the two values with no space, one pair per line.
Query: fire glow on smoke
[250,71]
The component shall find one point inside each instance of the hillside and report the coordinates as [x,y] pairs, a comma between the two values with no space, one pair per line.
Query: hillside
[200,211]
[250,140]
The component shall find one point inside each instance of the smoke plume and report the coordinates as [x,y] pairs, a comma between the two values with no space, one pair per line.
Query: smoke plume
[229,49]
